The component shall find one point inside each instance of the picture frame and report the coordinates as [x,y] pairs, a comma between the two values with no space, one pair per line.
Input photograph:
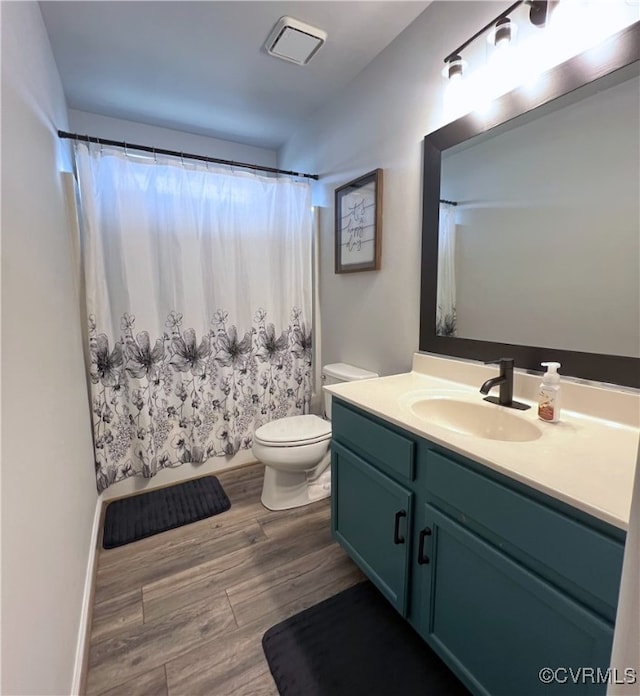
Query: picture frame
[358,224]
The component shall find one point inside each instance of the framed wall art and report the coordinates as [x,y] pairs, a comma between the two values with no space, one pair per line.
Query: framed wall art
[358,224]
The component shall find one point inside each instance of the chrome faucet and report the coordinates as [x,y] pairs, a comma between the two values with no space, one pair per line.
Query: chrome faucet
[505,381]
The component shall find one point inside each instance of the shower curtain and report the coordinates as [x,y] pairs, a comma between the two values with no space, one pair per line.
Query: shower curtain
[198,297]
[446,293]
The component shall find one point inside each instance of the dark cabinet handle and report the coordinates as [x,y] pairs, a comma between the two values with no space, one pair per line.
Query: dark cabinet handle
[422,559]
[397,539]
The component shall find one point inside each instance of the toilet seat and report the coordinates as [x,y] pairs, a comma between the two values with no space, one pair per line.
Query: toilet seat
[293,431]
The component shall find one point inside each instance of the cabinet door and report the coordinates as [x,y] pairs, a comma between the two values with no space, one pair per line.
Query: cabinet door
[497,624]
[371,518]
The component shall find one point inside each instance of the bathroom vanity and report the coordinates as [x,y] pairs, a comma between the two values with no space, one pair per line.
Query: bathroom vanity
[502,546]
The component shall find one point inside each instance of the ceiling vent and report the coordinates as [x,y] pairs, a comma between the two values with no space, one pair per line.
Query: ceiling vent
[294,40]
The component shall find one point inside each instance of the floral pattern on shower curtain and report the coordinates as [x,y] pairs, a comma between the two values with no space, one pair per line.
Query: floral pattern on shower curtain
[198,289]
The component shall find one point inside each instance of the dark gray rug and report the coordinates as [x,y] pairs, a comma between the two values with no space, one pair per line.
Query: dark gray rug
[355,644]
[150,513]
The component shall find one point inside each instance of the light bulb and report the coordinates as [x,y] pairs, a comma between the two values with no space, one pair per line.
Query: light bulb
[502,33]
[454,68]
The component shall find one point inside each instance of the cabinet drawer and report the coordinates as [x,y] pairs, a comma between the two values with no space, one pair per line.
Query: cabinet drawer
[588,559]
[379,445]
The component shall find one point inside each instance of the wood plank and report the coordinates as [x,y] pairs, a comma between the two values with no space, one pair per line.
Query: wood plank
[243,680]
[137,649]
[284,526]
[243,484]
[173,557]
[260,686]
[220,668]
[113,615]
[294,528]
[301,601]
[266,594]
[198,582]
[165,542]
[152,683]
[212,668]
[293,513]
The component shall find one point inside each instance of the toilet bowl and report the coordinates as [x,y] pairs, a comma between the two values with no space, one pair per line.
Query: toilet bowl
[296,450]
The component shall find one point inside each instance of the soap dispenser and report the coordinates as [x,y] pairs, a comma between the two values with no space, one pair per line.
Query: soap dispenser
[549,394]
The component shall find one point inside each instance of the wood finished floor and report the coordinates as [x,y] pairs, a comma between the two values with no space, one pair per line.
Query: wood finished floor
[183,613]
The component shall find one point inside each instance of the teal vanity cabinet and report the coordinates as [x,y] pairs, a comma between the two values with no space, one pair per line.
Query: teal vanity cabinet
[500,580]
[372,514]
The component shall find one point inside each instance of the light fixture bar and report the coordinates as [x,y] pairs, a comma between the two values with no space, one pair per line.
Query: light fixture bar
[488,26]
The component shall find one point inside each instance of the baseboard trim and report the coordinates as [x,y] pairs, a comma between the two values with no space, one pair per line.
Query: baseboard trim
[82,649]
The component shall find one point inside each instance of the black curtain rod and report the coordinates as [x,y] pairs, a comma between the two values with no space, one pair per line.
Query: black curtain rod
[183,155]
[444,200]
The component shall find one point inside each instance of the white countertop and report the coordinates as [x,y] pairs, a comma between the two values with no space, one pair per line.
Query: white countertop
[586,461]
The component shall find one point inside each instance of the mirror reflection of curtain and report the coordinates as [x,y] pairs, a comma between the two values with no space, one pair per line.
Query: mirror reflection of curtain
[198,293]
[446,299]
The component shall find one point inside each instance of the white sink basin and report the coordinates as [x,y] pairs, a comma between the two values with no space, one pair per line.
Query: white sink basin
[476,419]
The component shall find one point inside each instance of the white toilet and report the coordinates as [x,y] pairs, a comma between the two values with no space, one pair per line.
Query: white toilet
[295,450]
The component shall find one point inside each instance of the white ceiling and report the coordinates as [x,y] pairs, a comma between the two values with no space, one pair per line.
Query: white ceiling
[201,67]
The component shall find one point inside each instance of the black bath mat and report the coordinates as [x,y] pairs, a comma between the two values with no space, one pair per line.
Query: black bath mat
[355,644]
[143,515]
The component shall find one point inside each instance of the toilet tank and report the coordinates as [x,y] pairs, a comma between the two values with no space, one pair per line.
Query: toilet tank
[341,372]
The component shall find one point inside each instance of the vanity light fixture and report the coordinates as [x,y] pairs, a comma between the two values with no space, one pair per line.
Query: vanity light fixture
[500,32]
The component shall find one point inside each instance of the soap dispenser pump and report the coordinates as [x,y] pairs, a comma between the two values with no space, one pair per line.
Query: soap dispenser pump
[549,394]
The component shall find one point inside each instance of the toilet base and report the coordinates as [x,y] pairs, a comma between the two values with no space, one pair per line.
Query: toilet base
[284,490]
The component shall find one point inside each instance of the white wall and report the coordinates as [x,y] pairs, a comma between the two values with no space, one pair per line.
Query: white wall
[85,123]
[371,318]
[48,484]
